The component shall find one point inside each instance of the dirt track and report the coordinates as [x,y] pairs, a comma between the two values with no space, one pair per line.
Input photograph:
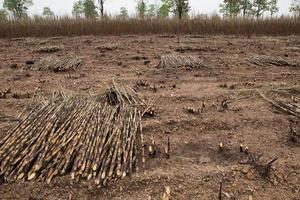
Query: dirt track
[196,165]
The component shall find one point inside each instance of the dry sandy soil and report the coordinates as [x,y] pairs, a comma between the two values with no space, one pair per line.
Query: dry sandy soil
[196,165]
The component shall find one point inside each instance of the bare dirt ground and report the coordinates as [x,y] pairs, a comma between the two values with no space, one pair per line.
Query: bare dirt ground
[196,165]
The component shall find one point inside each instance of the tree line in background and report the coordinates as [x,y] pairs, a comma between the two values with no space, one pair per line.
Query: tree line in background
[91,9]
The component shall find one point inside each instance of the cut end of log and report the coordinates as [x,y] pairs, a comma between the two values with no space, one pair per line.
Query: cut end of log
[21,175]
[246,150]
[119,173]
[124,175]
[103,175]
[73,175]
[89,176]
[97,181]
[31,176]
[49,179]
[221,146]
[241,148]
[151,150]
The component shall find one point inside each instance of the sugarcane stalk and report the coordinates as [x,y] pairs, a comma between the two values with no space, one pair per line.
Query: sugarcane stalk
[26,144]
[35,147]
[99,122]
[89,141]
[105,154]
[105,138]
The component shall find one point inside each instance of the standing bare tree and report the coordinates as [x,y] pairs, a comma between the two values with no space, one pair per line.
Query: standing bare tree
[101,7]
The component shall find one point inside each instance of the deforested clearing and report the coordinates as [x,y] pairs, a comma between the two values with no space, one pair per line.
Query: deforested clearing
[131,116]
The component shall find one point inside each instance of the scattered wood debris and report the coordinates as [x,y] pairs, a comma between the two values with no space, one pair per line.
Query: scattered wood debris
[263,168]
[220,190]
[288,105]
[149,113]
[194,36]
[167,193]
[294,135]
[55,38]
[50,49]
[166,36]
[262,61]
[86,138]
[185,48]
[241,148]
[203,106]
[223,85]
[221,147]
[56,64]
[120,94]
[232,87]
[152,149]
[17,39]
[7,118]
[146,62]
[225,103]
[108,46]
[139,58]
[29,62]
[167,148]
[4,92]
[192,110]
[14,66]
[17,95]
[250,84]
[244,149]
[142,83]
[180,61]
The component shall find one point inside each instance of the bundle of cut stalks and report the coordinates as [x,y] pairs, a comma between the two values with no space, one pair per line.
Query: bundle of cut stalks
[57,64]
[288,100]
[269,61]
[75,136]
[185,48]
[108,46]
[180,61]
[49,49]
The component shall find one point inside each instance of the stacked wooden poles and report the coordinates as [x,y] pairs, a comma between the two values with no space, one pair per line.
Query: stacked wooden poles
[86,139]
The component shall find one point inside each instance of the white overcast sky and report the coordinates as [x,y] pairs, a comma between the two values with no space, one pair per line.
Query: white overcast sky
[64,7]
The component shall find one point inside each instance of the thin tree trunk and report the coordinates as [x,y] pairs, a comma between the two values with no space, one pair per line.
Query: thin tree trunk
[258,12]
[101,2]
[180,9]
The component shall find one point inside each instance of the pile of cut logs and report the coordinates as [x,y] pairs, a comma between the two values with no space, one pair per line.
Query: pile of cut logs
[84,138]
[56,64]
[180,61]
[262,60]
